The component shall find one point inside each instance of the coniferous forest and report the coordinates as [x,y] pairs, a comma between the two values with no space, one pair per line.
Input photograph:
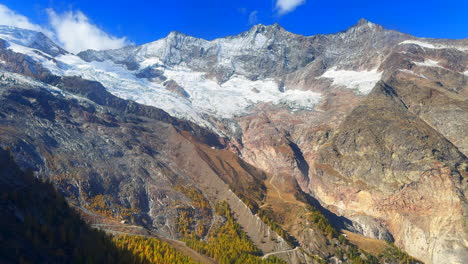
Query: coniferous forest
[38,226]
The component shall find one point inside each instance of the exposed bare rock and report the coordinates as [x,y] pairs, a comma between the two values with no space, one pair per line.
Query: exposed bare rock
[386,162]
[172,86]
[80,143]
[370,227]
[380,141]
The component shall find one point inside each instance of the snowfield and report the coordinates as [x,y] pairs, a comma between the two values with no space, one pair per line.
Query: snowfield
[361,81]
[235,97]
[232,98]
[238,94]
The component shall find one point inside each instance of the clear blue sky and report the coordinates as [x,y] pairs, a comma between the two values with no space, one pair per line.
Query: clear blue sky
[145,21]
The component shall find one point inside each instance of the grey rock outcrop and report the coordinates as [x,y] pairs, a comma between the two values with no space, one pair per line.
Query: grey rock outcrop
[391,157]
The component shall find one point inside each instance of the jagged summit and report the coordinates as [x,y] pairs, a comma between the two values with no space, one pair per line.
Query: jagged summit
[364,24]
[363,21]
[176,33]
[269,28]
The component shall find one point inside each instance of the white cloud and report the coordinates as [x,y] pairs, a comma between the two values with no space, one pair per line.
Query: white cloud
[11,18]
[73,30]
[76,32]
[253,18]
[286,6]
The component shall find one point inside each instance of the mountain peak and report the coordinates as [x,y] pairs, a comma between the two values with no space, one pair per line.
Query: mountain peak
[366,23]
[260,28]
[362,21]
[175,33]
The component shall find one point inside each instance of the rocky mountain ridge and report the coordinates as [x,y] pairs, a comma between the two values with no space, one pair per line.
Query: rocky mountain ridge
[368,121]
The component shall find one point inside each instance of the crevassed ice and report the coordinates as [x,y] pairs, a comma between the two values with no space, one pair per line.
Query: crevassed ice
[124,84]
[361,81]
[226,100]
[118,81]
[238,94]
[233,98]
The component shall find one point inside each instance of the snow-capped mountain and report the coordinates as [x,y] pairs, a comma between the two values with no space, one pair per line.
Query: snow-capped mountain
[23,38]
[222,78]
[229,76]
[369,122]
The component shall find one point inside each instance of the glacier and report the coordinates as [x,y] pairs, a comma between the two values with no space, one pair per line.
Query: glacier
[235,97]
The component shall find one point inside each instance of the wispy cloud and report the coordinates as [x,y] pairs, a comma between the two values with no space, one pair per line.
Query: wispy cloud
[11,18]
[76,33]
[73,30]
[253,18]
[286,6]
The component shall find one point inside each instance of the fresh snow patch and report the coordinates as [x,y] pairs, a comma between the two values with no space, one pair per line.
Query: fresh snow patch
[433,45]
[24,37]
[413,73]
[362,81]
[18,36]
[432,63]
[150,62]
[260,41]
[428,63]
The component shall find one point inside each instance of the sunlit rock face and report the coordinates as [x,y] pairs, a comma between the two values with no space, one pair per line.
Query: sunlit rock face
[370,122]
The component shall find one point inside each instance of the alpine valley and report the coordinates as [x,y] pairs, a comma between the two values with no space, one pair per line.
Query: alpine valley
[263,147]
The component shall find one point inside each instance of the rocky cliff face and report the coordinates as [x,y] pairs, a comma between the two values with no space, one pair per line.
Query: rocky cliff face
[388,163]
[123,160]
[370,122]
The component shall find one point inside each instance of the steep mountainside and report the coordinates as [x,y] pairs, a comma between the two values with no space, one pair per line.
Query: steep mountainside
[123,160]
[368,125]
[37,225]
